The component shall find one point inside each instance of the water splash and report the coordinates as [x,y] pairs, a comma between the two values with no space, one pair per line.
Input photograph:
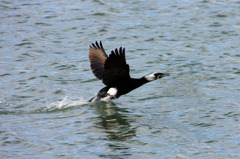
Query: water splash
[66,102]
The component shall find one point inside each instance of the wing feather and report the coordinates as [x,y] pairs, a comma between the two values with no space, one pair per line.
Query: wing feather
[116,70]
[97,58]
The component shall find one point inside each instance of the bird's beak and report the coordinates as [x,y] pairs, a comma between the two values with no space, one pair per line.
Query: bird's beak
[161,75]
[165,74]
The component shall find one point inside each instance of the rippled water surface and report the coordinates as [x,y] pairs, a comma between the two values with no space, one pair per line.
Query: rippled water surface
[45,79]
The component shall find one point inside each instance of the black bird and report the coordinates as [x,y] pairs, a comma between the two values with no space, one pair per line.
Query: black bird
[114,73]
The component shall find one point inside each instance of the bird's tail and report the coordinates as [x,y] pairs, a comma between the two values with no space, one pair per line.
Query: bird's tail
[93,99]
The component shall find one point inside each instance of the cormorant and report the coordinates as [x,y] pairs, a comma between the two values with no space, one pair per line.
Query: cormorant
[114,73]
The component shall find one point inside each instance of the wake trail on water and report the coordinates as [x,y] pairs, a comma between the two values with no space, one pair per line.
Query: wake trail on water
[65,103]
[62,104]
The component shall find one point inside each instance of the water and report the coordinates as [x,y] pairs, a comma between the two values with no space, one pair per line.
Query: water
[46,79]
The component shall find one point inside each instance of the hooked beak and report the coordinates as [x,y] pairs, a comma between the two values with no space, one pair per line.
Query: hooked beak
[165,74]
[161,75]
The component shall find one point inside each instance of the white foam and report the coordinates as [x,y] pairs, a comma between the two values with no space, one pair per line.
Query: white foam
[66,102]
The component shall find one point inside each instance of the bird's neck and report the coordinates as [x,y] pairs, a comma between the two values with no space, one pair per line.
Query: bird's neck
[139,82]
[131,85]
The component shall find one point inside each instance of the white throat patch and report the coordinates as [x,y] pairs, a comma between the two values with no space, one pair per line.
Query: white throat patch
[112,91]
[150,77]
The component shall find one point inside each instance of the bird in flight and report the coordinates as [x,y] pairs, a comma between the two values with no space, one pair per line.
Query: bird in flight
[114,73]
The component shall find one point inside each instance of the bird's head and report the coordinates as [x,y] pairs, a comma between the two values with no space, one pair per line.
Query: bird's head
[155,75]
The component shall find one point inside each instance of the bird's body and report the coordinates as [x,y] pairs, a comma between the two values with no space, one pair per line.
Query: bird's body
[114,72]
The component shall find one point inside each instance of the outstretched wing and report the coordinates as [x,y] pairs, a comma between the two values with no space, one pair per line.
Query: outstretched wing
[97,58]
[116,70]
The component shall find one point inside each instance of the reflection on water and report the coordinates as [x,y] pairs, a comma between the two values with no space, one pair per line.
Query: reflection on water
[116,126]
[114,123]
